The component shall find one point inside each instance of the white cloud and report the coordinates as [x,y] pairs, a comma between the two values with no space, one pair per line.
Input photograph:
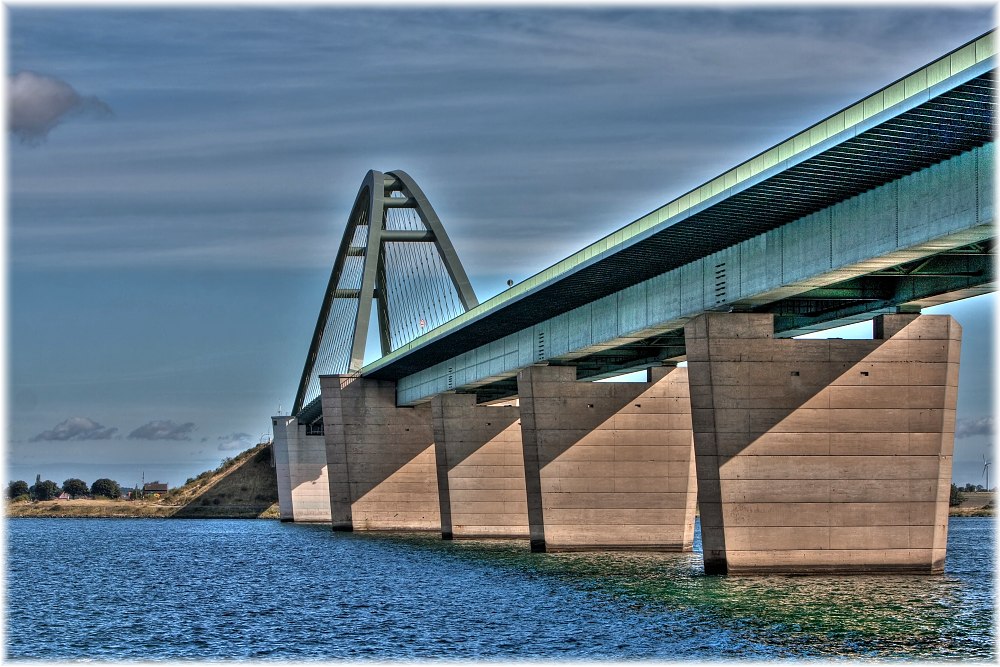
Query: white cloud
[236,441]
[76,428]
[967,428]
[162,430]
[37,103]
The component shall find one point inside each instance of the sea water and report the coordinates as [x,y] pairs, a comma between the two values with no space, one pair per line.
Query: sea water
[148,589]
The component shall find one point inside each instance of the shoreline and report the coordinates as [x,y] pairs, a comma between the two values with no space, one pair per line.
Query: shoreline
[243,487]
[131,509]
[91,509]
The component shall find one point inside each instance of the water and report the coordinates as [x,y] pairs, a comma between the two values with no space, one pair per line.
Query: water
[121,589]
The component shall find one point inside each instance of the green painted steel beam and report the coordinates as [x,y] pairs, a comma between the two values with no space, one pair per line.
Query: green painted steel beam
[902,95]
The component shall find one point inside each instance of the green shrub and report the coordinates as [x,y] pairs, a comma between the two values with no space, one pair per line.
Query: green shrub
[75,487]
[46,490]
[955,498]
[18,488]
[107,488]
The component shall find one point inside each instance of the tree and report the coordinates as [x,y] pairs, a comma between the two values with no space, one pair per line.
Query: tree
[18,488]
[46,490]
[106,487]
[75,487]
[956,497]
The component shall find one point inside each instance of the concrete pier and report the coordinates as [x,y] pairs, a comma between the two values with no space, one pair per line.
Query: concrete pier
[607,465]
[380,457]
[480,468]
[823,455]
[300,467]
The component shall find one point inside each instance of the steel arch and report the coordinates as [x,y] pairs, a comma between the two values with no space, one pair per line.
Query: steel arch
[375,198]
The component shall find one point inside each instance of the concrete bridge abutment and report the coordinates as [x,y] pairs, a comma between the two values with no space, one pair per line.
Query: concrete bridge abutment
[480,468]
[300,467]
[608,465]
[380,458]
[823,455]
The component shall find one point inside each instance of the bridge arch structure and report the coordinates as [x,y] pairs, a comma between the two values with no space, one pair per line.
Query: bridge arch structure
[396,259]
[403,265]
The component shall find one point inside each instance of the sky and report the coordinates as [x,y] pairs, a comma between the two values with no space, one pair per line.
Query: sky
[179,180]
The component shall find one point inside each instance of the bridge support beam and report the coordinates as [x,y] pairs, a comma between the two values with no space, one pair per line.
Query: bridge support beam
[607,465]
[823,455]
[480,468]
[380,457]
[300,467]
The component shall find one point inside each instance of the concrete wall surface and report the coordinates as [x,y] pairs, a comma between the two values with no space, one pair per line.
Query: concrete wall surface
[823,455]
[279,444]
[380,458]
[480,468]
[300,467]
[607,465]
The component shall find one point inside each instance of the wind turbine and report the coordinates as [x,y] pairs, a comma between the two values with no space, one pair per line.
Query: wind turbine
[986,471]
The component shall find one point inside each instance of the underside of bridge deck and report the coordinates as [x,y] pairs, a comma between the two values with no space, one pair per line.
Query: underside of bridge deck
[946,276]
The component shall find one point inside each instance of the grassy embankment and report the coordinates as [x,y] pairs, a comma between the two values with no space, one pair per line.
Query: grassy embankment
[243,488]
[975,503]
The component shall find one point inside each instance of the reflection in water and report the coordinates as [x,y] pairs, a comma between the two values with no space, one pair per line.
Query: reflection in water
[949,616]
[179,590]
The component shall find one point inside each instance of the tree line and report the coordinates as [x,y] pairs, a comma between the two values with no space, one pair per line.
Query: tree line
[75,488]
[957,496]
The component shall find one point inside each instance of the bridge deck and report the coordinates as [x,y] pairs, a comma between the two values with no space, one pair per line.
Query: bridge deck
[935,113]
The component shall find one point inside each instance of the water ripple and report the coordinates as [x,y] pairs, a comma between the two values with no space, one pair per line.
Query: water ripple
[207,590]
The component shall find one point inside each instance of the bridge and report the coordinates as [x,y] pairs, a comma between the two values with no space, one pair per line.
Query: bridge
[482,419]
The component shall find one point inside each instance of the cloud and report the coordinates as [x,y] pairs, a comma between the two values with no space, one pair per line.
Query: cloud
[162,430]
[631,107]
[967,428]
[236,441]
[37,103]
[76,428]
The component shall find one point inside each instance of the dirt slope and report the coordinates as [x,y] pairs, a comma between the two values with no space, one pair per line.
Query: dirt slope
[245,487]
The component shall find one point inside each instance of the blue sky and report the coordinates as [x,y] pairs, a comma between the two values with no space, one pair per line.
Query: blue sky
[170,238]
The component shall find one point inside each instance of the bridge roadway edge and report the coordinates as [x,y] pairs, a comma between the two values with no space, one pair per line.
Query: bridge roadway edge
[946,206]
[884,135]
